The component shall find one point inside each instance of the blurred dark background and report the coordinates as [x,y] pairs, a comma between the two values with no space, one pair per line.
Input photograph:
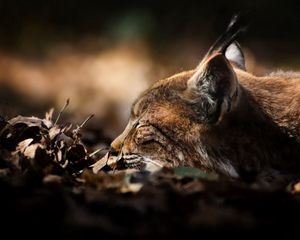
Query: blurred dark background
[102,54]
[35,25]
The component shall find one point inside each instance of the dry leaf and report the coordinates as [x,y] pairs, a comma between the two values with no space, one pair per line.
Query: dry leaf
[50,178]
[63,137]
[48,124]
[49,115]
[23,145]
[76,153]
[53,132]
[59,156]
[31,150]
[133,187]
[97,166]
[29,121]
[104,180]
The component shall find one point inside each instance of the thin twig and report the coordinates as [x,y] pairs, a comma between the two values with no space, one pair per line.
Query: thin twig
[85,121]
[98,150]
[82,124]
[61,111]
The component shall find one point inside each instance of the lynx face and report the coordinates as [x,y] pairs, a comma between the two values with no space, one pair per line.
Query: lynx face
[170,122]
[218,118]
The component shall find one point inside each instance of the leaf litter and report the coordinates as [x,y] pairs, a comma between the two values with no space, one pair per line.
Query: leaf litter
[47,180]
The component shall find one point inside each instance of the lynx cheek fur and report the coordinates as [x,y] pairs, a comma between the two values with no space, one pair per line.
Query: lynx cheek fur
[217,117]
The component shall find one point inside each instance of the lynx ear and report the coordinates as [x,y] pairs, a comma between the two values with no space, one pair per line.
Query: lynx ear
[213,89]
[234,54]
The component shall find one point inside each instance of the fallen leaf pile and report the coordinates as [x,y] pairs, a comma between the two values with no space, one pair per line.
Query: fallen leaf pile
[48,190]
[34,146]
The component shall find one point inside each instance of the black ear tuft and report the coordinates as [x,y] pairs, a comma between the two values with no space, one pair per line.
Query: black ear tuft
[236,26]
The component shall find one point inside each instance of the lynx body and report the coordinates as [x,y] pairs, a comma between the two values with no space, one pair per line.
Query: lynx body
[217,117]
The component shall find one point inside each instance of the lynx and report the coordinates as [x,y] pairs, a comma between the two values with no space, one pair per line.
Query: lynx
[217,117]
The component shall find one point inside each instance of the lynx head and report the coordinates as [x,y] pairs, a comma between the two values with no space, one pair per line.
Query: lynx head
[171,122]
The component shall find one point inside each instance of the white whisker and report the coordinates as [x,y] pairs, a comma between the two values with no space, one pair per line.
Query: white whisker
[151,161]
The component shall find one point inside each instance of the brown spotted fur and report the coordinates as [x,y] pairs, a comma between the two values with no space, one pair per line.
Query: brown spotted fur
[257,139]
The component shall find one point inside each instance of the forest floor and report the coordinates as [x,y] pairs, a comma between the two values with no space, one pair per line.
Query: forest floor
[47,186]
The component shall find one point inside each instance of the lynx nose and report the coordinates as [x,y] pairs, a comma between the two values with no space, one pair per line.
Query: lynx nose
[116,145]
[113,152]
